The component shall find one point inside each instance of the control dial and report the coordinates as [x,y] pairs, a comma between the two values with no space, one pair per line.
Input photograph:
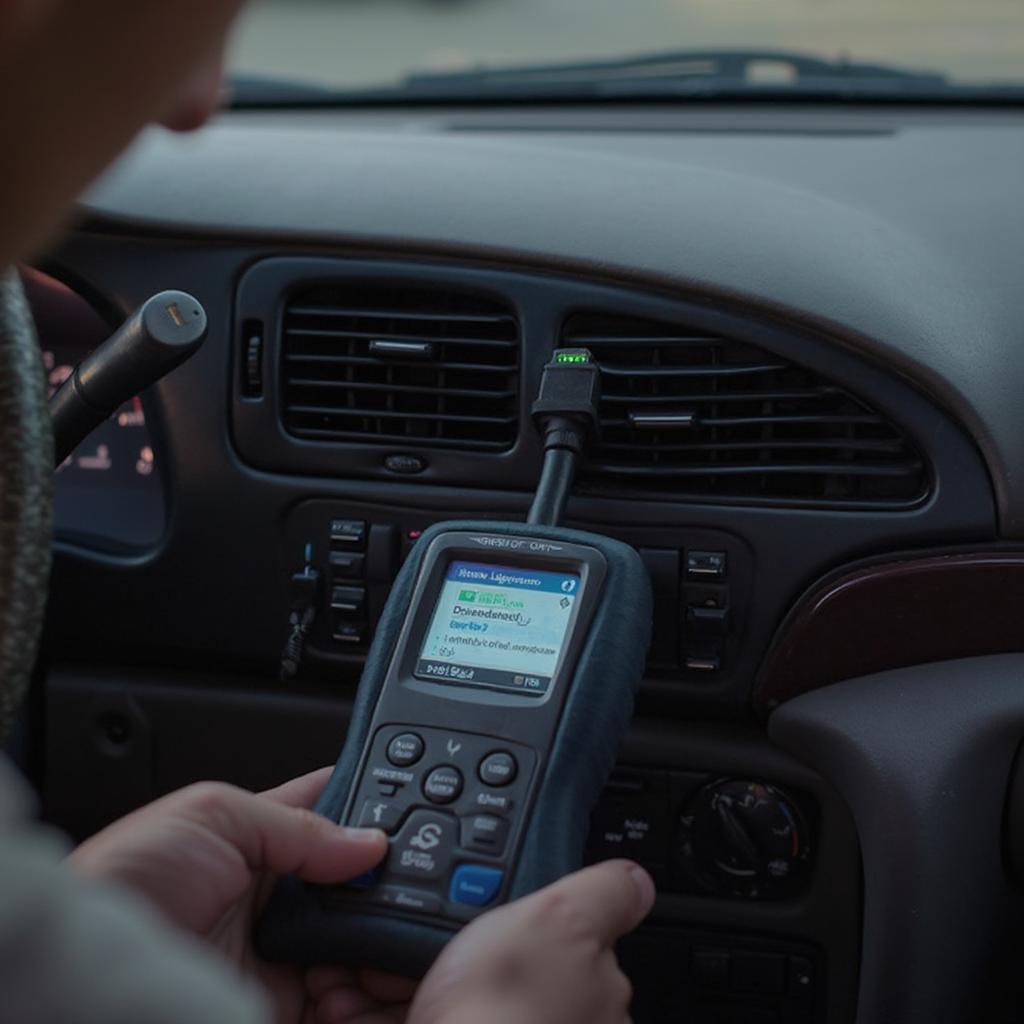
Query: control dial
[742,839]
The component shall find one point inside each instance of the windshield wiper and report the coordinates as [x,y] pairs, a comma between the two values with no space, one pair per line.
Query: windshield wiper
[269,90]
[685,74]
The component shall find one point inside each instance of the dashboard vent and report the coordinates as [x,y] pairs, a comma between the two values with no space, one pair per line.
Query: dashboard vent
[400,365]
[688,412]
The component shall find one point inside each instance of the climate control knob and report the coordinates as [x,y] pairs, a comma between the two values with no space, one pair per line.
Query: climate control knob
[743,839]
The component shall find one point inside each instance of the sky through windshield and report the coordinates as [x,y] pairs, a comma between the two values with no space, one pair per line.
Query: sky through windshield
[375,42]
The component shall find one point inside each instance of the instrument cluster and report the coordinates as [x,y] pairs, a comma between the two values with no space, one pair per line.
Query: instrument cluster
[108,491]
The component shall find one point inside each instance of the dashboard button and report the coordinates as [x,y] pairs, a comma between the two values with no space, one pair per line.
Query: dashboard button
[347,565]
[703,565]
[474,885]
[405,749]
[348,533]
[350,600]
[346,632]
[707,621]
[498,769]
[703,663]
[443,785]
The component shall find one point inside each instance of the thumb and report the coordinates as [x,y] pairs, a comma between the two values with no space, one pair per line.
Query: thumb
[609,899]
[273,836]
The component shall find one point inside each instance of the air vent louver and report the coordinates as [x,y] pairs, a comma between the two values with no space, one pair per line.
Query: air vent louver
[693,413]
[400,365]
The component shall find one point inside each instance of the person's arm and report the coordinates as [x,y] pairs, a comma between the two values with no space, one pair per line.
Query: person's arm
[92,953]
[546,959]
[207,854]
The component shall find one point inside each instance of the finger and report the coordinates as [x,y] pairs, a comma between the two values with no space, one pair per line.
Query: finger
[286,840]
[301,792]
[323,978]
[350,1006]
[388,988]
[613,897]
[342,1004]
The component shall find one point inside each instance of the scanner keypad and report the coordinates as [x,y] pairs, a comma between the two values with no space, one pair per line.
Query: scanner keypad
[452,814]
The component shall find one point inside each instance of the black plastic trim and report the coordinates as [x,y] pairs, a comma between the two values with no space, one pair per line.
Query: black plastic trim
[230,519]
[923,757]
[542,306]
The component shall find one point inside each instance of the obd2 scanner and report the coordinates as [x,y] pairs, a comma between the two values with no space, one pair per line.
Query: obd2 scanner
[493,701]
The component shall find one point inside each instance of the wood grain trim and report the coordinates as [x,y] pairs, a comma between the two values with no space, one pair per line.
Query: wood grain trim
[907,612]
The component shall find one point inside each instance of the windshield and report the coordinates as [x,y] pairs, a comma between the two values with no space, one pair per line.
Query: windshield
[359,44]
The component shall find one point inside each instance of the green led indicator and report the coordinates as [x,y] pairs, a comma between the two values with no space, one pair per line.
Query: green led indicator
[572,357]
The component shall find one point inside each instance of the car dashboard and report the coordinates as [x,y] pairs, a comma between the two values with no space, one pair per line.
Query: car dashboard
[807,324]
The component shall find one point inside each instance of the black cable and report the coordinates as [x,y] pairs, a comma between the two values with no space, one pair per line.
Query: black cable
[556,479]
[304,600]
[566,414]
[300,623]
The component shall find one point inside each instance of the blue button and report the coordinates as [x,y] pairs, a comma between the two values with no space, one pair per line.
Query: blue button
[475,885]
[367,880]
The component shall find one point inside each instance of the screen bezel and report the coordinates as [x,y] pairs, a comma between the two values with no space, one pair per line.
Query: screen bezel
[563,639]
[514,552]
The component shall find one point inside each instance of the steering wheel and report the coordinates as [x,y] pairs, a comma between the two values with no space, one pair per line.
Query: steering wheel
[26,497]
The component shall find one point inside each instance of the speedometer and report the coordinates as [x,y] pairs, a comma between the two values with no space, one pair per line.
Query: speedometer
[109,488]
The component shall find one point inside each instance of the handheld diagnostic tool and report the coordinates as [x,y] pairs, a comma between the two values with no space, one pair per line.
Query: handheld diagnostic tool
[492,705]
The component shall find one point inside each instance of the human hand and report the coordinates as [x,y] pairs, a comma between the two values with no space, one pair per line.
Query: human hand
[207,857]
[546,959]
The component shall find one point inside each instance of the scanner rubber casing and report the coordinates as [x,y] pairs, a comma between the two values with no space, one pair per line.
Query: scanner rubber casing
[301,924]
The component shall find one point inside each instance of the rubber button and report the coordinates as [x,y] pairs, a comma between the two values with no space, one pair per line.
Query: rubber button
[380,814]
[475,886]
[423,849]
[443,785]
[405,749]
[485,833]
[498,769]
